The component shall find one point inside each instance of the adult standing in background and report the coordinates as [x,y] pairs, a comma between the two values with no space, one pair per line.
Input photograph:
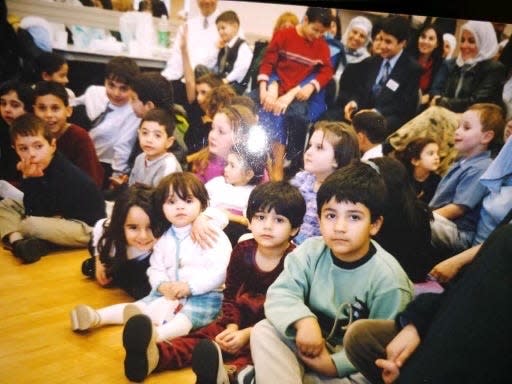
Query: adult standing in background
[202,39]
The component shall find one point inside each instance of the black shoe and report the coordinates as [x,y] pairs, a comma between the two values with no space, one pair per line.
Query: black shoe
[30,250]
[207,363]
[89,267]
[139,341]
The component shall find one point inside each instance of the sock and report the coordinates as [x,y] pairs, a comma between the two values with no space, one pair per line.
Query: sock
[114,314]
[14,236]
[180,325]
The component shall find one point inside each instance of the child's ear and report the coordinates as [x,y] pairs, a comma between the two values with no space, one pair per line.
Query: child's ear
[169,142]
[415,162]
[149,105]
[45,76]
[294,232]
[69,111]
[487,137]
[249,174]
[376,225]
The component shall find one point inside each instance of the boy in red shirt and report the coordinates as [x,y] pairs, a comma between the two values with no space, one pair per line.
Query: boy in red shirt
[292,56]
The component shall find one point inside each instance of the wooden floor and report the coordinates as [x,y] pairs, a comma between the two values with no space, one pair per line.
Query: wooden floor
[36,342]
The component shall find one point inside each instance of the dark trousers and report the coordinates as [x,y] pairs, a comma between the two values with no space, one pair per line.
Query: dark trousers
[177,353]
[469,338]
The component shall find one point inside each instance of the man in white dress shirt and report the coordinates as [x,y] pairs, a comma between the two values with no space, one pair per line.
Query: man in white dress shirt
[202,43]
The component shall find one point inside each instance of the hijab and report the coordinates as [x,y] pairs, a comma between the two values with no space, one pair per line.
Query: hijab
[485,38]
[361,53]
[452,41]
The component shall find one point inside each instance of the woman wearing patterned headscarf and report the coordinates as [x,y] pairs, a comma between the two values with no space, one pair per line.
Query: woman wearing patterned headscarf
[474,77]
[356,39]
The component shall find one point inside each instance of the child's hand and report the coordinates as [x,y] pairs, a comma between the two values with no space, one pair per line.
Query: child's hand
[305,92]
[398,351]
[282,104]
[28,169]
[322,363]
[445,270]
[116,181]
[203,232]
[101,273]
[232,341]
[390,370]
[174,290]
[309,339]
[269,100]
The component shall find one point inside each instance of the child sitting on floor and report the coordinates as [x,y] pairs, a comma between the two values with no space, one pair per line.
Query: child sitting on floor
[421,158]
[16,98]
[244,170]
[51,104]
[331,146]
[328,282]
[60,202]
[227,122]
[185,278]
[458,197]
[275,211]
[156,136]
[122,244]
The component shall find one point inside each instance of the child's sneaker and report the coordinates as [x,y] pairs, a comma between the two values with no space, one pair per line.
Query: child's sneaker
[139,341]
[30,250]
[83,318]
[207,363]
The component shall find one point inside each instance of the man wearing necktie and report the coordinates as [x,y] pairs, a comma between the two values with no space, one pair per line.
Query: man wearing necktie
[388,82]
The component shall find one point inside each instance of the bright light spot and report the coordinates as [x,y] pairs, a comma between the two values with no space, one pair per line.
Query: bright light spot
[257,140]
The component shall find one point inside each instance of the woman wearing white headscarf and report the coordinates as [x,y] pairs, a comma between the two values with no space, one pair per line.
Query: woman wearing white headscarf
[450,43]
[355,40]
[475,77]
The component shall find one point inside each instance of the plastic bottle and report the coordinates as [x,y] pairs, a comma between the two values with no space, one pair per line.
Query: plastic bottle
[163,32]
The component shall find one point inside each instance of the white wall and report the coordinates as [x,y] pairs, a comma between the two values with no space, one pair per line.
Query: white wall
[256,19]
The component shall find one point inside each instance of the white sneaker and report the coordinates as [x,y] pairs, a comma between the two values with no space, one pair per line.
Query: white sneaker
[83,318]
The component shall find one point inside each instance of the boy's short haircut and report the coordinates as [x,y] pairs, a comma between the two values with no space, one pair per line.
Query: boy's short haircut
[282,197]
[397,26]
[372,124]
[356,183]
[213,80]
[228,17]
[49,62]
[122,69]
[43,88]
[24,91]
[162,117]
[152,86]
[492,118]
[319,15]
[29,124]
